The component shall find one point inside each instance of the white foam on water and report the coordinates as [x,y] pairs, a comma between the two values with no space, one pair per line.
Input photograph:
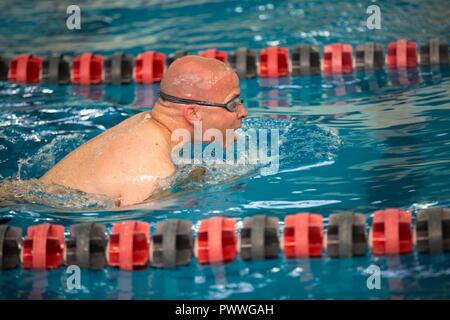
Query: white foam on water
[288,204]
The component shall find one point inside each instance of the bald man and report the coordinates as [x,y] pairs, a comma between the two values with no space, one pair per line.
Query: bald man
[130,161]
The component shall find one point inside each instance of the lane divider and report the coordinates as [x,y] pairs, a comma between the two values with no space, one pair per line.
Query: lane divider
[86,246]
[303,236]
[120,68]
[216,241]
[337,59]
[215,54]
[346,235]
[149,67]
[172,244]
[43,247]
[25,68]
[401,54]
[56,69]
[131,247]
[87,69]
[391,232]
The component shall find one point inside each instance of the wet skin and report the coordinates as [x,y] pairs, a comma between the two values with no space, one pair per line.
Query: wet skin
[130,161]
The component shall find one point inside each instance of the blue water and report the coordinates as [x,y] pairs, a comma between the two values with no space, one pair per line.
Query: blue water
[360,142]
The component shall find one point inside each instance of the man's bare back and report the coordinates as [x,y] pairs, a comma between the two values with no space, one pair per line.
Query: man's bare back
[125,162]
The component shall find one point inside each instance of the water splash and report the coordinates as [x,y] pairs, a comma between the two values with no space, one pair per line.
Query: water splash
[13,192]
[299,145]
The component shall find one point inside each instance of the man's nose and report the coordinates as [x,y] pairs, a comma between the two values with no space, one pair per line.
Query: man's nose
[241,112]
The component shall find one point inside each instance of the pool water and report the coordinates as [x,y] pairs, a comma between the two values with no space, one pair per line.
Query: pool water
[361,142]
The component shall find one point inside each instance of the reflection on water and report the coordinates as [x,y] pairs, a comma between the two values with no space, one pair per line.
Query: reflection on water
[195,25]
[391,176]
[357,142]
[22,192]
[404,76]
[401,276]
[339,85]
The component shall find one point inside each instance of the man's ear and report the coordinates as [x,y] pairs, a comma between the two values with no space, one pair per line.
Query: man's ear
[191,114]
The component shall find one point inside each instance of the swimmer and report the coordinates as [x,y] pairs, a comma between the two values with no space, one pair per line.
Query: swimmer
[130,161]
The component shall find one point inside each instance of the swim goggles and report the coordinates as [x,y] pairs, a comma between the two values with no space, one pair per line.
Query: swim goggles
[230,105]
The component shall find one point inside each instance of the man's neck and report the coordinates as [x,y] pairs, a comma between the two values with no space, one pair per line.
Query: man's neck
[167,122]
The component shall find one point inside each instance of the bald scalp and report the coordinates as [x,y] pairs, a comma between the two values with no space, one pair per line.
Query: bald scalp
[199,78]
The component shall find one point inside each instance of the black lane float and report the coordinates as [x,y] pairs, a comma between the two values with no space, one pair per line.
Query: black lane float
[87,245]
[56,69]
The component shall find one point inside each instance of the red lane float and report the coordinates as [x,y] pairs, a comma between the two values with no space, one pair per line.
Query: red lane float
[43,248]
[274,62]
[149,67]
[129,245]
[87,69]
[402,54]
[215,54]
[391,232]
[25,68]
[337,58]
[216,240]
[303,235]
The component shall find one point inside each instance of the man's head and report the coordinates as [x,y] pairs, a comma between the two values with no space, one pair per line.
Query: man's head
[206,80]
